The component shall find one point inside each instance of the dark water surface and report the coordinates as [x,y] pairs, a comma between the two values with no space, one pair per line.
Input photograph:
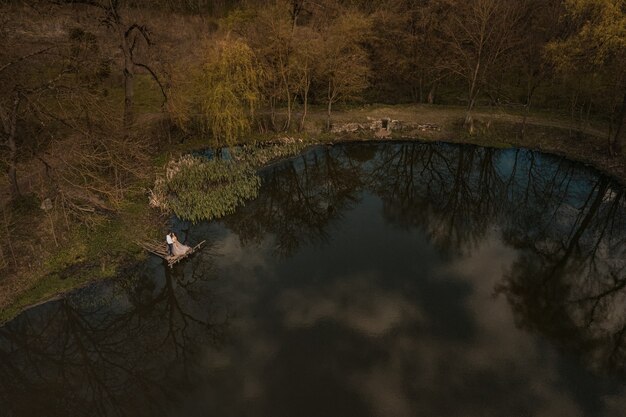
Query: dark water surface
[365,280]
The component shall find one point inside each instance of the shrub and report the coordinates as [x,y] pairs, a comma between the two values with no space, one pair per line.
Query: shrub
[197,189]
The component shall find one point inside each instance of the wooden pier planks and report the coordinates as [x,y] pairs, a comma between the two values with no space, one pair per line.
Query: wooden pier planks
[160,249]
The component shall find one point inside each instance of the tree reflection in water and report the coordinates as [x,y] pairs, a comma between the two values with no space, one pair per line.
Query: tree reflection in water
[451,192]
[123,349]
[568,224]
[569,279]
[301,199]
[137,353]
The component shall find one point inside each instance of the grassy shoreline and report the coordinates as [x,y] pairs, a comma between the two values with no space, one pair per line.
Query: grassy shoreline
[103,252]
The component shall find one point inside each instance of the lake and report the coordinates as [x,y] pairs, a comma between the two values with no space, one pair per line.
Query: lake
[367,279]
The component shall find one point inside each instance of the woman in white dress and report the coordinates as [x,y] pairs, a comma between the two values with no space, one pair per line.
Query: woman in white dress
[179,249]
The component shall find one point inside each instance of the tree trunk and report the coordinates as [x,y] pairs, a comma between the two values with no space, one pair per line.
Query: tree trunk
[530,90]
[473,92]
[128,98]
[525,118]
[431,94]
[284,76]
[306,104]
[421,90]
[273,112]
[289,101]
[469,120]
[129,74]
[620,132]
[573,102]
[330,103]
[11,142]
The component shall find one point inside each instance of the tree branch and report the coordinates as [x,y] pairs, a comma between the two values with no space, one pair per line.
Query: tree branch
[25,57]
[141,29]
[155,77]
[84,2]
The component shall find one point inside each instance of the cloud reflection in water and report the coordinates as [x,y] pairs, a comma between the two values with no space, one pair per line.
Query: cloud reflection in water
[371,280]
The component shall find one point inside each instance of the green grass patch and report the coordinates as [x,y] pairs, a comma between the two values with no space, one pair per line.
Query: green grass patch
[147,95]
[90,254]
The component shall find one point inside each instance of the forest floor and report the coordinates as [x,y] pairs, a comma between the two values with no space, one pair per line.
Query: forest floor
[102,252]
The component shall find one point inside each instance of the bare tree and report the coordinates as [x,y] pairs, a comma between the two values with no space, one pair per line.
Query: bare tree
[22,79]
[305,57]
[130,36]
[479,37]
[539,23]
[343,67]
[406,48]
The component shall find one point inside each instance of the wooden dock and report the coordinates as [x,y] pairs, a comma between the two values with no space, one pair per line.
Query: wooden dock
[160,249]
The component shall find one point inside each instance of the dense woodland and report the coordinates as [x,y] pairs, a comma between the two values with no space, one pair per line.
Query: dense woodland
[92,90]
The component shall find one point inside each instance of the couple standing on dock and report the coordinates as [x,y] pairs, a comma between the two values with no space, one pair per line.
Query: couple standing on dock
[174,247]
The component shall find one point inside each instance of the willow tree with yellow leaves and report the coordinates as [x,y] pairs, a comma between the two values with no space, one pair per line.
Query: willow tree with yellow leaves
[220,95]
[596,46]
